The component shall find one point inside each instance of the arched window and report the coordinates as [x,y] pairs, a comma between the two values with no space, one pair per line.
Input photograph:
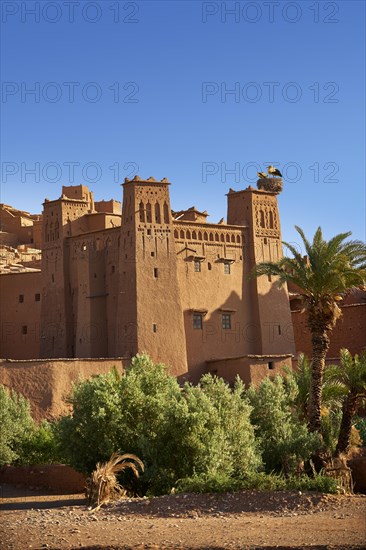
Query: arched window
[188,234]
[222,238]
[142,212]
[238,239]
[176,233]
[148,213]
[211,237]
[227,238]
[217,237]
[166,213]
[261,218]
[181,234]
[271,224]
[157,213]
[233,238]
[199,236]
[205,236]
[194,235]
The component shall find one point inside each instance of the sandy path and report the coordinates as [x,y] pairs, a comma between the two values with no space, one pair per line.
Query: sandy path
[248,519]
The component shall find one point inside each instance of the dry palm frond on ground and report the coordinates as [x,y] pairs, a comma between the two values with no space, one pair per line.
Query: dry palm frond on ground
[102,486]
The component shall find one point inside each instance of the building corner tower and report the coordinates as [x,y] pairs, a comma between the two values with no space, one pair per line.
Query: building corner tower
[149,308]
[257,210]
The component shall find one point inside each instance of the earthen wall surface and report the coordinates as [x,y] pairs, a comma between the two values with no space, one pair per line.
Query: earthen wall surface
[349,331]
[48,383]
[251,370]
[20,297]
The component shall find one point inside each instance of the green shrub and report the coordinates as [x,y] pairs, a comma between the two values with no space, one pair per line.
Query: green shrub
[259,481]
[284,439]
[210,433]
[40,446]
[148,394]
[16,424]
[218,483]
[279,482]
[91,433]
[22,442]
[177,432]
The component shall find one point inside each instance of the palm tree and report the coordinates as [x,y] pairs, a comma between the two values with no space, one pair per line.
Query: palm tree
[351,374]
[330,269]
[332,391]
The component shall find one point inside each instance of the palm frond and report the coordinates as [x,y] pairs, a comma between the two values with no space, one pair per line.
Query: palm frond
[308,246]
[103,486]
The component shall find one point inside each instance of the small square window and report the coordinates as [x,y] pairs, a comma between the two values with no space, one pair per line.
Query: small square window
[21,298]
[155,327]
[156,272]
[227,269]
[24,329]
[197,266]
[197,321]
[226,321]
[152,254]
[37,297]
[270,365]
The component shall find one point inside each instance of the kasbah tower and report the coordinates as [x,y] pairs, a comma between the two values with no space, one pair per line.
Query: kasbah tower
[168,283]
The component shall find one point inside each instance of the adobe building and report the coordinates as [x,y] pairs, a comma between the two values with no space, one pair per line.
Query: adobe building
[115,282]
[19,227]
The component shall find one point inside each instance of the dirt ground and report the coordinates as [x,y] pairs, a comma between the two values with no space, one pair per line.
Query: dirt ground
[248,519]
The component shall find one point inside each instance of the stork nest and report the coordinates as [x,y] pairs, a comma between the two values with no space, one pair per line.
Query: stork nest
[274,185]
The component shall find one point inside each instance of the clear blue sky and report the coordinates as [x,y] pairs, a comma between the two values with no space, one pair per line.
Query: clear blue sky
[146,94]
